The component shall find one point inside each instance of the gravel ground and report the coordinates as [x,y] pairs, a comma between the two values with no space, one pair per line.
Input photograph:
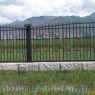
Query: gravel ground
[36,66]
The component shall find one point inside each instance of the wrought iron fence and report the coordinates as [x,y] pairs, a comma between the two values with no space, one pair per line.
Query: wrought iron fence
[53,42]
[12,43]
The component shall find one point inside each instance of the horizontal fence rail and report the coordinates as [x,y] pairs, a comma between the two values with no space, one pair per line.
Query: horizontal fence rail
[53,42]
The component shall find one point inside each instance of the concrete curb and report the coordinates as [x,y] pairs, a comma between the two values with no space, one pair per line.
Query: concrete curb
[36,66]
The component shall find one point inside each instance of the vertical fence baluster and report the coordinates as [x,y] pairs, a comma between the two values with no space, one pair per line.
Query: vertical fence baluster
[90,32]
[93,27]
[87,48]
[36,42]
[66,48]
[34,37]
[40,47]
[70,38]
[55,42]
[45,42]
[62,42]
[0,43]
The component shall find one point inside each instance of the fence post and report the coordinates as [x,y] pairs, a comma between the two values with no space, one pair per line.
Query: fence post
[28,42]
[0,32]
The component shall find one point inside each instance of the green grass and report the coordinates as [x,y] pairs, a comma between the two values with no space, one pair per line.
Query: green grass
[36,82]
[55,43]
[49,49]
[50,55]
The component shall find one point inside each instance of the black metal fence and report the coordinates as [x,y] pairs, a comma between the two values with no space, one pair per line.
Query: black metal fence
[53,42]
[12,44]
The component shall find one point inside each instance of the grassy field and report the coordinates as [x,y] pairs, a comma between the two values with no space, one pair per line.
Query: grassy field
[47,82]
[49,49]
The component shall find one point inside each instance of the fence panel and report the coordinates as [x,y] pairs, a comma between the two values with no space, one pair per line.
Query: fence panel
[53,42]
[63,42]
[12,44]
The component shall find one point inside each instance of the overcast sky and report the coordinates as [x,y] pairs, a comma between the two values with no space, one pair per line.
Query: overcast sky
[11,10]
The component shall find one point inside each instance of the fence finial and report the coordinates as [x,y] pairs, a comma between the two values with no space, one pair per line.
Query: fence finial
[27,25]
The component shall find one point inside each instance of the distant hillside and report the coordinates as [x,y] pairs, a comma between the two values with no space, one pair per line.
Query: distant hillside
[68,32]
[92,15]
[54,19]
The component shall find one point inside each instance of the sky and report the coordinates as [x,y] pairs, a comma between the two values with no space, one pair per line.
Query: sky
[12,10]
